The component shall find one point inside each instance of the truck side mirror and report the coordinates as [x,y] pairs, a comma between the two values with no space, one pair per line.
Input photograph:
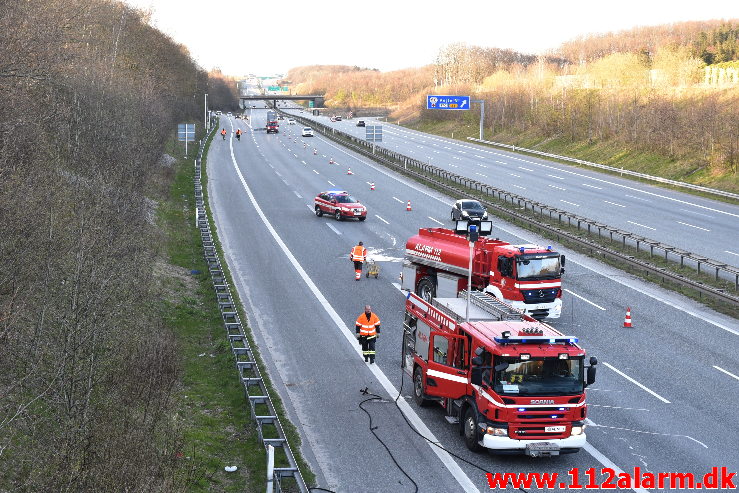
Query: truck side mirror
[562,260]
[590,376]
[476,375]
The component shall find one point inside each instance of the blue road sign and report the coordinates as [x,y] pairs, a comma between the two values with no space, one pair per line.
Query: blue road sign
[447,102]
[186,132]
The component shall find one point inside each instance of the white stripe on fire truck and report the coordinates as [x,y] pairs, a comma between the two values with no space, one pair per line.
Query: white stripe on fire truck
[538,285]
[446,376]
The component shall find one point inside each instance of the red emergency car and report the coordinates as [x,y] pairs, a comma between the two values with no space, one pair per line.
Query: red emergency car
[339,204]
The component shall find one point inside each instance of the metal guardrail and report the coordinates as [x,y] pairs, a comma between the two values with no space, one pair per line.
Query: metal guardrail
[262,410]
[622,171]
[425,171]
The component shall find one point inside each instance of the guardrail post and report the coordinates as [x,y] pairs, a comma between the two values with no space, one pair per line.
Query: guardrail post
[270,468]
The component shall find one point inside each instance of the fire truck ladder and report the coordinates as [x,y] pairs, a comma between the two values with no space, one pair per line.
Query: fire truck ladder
[492,305]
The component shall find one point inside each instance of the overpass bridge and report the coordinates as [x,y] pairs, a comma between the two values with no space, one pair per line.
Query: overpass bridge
[317,100]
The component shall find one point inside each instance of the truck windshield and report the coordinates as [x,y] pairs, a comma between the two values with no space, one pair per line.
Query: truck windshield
[539,376]
[528,268]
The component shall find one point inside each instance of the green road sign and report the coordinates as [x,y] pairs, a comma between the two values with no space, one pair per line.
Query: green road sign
[311,104]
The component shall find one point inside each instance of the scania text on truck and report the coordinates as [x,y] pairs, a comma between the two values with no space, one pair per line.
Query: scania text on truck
[528,277]
[511,383]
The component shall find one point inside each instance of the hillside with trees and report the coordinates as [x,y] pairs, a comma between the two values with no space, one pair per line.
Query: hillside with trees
[88,368]
[658,99]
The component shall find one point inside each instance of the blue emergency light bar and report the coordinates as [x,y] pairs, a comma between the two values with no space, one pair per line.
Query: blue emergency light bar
[536,339]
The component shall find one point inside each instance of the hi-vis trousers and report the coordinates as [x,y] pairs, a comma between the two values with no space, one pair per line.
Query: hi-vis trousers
[357,270]
[368,347]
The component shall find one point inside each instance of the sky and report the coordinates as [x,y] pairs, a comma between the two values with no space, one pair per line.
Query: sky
[270,37]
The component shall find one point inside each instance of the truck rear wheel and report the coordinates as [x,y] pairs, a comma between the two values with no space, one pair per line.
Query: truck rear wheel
[418,388]
[426,288]
[319,212]
[471,435]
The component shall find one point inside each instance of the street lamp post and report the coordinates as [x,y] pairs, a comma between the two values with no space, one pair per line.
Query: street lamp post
[205,113]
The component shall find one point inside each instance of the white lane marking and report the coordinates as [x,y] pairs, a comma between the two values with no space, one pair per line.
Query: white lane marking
[525,169]
[643,387]
[298,195]
[595,425]
[435,220]
[558,188]
[586,301]
[271,166]
[557,177]
[277,173]
[396,198]
[590,404]
[331,183]
[727,372]
[480,157]
[606,462]
[316,172]
[591,186]
[697,213]
[642,225]
[303,162]
[456,471]
[571,203]
[517,186]
[614,203]
[333,228]
[737,254]
[501,162]
[480,174]
[514,174]
[295,154]
[627,284]
[693,226]
[381,219]
[285,182]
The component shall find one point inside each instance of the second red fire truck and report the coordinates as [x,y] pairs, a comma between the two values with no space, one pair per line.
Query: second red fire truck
[511,383]
[528,277]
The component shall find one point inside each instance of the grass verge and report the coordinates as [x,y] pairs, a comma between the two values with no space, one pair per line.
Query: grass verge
[609,153]
[214,417]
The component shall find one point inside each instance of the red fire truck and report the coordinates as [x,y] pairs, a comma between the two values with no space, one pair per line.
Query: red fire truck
[511,383]
[528,277]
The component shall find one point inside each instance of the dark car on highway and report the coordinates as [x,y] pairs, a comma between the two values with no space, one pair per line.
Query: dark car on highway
[468,209]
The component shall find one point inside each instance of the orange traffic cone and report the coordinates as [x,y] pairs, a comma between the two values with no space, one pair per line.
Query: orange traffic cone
[408,207]
[627,320]
[349,172]
[372,186]
[315,151]
[330,160]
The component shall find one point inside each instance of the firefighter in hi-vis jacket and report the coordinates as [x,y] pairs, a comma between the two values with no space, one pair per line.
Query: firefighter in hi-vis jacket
[368,329]
[358,255]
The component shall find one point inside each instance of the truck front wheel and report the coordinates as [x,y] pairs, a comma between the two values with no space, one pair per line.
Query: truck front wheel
[426,288]
[418,388]
[470,430]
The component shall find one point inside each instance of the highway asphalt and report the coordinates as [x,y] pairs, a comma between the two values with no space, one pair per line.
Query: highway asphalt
[666,390]
[696,224]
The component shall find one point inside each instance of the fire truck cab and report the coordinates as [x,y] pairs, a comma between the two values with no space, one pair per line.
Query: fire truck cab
[511,383]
